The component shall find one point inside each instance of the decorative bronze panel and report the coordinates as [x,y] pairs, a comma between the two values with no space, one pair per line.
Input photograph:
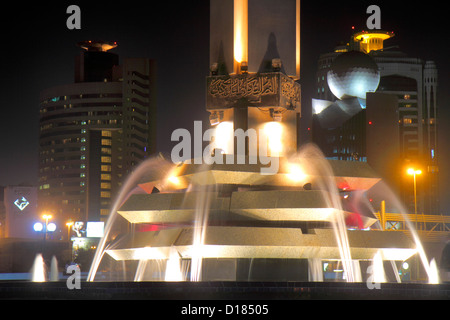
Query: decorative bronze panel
[252,90]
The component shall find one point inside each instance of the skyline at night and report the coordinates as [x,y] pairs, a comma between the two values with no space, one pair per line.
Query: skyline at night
[177,37]
[225,149]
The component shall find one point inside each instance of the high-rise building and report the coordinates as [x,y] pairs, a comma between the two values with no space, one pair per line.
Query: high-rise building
[413,82]
[94,131]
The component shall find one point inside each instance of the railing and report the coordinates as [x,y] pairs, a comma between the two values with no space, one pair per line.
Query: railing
[430,228]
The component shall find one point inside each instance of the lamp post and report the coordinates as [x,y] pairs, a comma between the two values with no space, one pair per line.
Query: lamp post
[69,224]
[46,217]
[48,227]
[413,172]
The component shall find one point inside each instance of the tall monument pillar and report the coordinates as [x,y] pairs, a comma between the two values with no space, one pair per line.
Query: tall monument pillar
[255,68]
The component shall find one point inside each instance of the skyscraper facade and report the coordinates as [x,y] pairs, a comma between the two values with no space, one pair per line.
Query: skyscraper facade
[414,83]
[94,131]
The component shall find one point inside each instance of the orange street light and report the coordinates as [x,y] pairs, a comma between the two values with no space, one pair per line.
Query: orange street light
[412,171]
[46,217]
[69,224]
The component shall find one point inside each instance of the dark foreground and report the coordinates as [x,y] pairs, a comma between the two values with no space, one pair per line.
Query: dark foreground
[22,290]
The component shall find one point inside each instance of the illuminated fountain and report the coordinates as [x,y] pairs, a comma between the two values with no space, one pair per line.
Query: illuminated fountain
[260,209]
[38,271]
[229,222]
[148,167]
[430,268]
[54,274]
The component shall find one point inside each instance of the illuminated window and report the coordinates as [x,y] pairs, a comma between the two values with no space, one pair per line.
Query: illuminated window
[83,148]
[82,175]
[105,194]
[106,176]
[106,133]
[407,97]
[106,142]
[407,121]
[106,159]
[83,166]
[106,168]
[106,150]
[104,212]
[105,185]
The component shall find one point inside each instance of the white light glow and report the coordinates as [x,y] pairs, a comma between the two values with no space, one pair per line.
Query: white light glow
[396,254]
[174,180]
[95,229]
[319,105]
[274,133]
[379,275]
[296,173]
[173,267]
[434,273]
[224,137]
[38,227]
[38,270]
[51,227]
[149,253]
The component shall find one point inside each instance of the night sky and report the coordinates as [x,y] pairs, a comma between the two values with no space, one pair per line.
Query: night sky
[38,52]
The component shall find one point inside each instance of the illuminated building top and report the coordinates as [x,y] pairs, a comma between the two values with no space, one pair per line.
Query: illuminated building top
[97,46]
[372,40]
[241,41]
